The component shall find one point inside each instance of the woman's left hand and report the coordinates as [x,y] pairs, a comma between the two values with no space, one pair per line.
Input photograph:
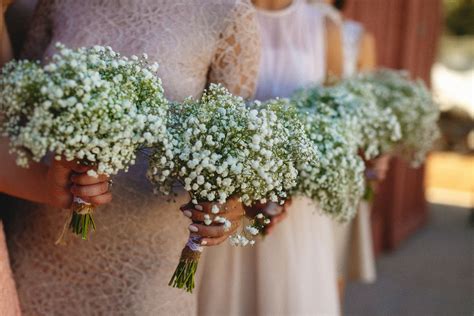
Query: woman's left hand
[274,211]
[204,216]
[377,168]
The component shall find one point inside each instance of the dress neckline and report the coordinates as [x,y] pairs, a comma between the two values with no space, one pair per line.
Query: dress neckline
[277,13]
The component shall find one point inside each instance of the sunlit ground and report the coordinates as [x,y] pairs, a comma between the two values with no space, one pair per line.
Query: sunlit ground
[450,179]
[430,274]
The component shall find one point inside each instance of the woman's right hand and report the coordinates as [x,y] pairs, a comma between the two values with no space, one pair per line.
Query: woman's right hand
[67,179]
[274,211]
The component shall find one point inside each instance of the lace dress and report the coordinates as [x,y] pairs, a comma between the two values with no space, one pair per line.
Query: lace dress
[292,271]
[125,268]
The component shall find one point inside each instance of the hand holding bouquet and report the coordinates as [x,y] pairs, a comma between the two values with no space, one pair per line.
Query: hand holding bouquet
[89,105]
[412,104]
[222,149]
[337,181]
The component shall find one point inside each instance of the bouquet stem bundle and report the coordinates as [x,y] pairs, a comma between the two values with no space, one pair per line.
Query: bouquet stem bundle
[220,149]
[89,105]
[82,220]
[184,275]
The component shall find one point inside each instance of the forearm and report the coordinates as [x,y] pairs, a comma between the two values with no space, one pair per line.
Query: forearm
[26,183]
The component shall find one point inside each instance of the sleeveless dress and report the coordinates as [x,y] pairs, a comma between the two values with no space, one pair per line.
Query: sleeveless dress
[125,267]
[292,271]
[354,246]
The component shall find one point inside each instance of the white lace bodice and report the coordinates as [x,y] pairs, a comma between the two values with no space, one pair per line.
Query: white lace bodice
[352,32]
[293,49]
[125,268]
[195,42]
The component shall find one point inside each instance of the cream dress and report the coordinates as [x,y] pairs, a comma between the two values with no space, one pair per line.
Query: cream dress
[292,271]
[354,247]
[125,268]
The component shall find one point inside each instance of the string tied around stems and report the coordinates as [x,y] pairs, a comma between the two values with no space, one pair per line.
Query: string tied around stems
[80,220]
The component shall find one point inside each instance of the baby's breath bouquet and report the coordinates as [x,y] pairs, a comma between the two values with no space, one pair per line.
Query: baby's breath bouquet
[361,126]
[412,104]
[222,148]
[372,129]
[336,182]
[90,105]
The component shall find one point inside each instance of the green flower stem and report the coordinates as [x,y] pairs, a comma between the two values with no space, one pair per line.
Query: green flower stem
[82,220]
[184,275]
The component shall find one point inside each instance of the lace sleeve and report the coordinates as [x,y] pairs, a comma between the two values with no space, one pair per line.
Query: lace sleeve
[236,60]
[40,31]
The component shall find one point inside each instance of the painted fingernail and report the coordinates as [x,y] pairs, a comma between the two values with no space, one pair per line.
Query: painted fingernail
[198,207]
[204,242]
[193,228]
[188,214]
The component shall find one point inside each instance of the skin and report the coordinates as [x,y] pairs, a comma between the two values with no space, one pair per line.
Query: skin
[233,209]
[214,234]
[5,47]
[54,185]
[334,64]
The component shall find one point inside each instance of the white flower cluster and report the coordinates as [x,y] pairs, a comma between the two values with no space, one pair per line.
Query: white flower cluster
[413,105]
[222,148]
[254,228]
[88,104]
[372,129]
[336,182]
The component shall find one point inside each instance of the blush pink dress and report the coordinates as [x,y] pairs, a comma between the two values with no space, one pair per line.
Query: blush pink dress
[9,305]
[125,268]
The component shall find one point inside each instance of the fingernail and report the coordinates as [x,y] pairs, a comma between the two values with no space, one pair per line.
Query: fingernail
[188,214]
[193,228]
[198,207]
[204,242]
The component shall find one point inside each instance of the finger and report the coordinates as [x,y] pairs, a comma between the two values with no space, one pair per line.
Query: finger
[211,207]
[60,173]
[207,231]
[84,179]
[73,165]
[90,190]
[100,199]
[269,228]
[208,242]
[199,216]
[213,241]
[212,231]
[273,209]
[277,219]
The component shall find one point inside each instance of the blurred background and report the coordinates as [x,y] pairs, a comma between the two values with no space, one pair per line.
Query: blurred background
[422,219]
